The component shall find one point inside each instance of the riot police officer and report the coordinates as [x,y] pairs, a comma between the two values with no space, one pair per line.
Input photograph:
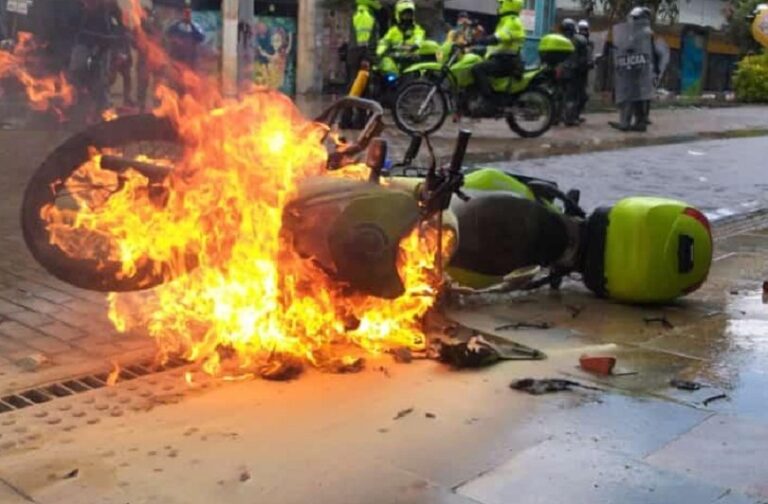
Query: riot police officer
[572,73]
[636,70]
[405,34]
[584,31]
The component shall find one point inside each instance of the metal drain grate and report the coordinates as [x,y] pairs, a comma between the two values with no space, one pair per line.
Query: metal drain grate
[65,388]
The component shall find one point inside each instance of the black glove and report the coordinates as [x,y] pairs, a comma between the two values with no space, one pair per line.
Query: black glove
[486,41]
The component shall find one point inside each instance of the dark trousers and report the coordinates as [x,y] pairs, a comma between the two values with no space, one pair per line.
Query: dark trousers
[498,65]
[355,56]
[584,89]
[634,113]
[572,95]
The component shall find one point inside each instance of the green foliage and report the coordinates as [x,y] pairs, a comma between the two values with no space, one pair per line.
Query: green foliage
[751,79]
[739,15]
[618,9]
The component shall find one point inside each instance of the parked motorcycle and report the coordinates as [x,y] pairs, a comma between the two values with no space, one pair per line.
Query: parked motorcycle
[422,105]
[646,250]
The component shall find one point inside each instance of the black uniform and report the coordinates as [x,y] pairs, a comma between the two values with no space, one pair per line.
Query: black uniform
[572,78]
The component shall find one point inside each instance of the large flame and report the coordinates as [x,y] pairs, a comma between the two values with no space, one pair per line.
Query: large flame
[43,92]
[223,205]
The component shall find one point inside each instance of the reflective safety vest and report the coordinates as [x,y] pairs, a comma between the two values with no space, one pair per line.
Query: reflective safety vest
[364,24]
[510,33]
[395,37]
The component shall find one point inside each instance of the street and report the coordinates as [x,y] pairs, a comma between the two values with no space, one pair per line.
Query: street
[723,177]
[419,432]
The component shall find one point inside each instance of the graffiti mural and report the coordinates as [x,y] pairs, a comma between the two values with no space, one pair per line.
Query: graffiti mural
[268,52]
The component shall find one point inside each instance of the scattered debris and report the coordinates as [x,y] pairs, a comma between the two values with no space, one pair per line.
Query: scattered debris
[245,476]
[403,413]
[74,473]
[383,431]
[430,415]
[714,398]
[685,384]
[525,325]
[665,323]
[284,368]
[575,311]
[474,353]
[402,355]
[32,362]
[734,292]
[547,386]
[343,365]
[384,371]
[713,313]
[601,365]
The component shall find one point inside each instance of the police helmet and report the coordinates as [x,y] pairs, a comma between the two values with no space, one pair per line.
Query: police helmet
[568,26]
[511,6]
[403,6]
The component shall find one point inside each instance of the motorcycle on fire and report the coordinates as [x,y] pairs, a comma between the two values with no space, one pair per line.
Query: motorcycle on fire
[422,105]
[643,250]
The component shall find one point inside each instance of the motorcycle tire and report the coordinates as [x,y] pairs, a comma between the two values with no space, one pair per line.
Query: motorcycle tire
[88,273]
[549,114]
[418,91]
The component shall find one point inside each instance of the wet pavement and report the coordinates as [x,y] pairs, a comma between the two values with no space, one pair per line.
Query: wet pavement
[724,177]
[461,437]
[422,433]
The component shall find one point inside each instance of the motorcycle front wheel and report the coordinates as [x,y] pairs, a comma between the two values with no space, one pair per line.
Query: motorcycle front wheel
[532,114]
[420,108]
[58,185]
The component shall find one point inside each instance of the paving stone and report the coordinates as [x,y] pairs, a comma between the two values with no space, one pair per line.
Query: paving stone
[18,331]
[47,344]
[7,307]
[8,345]
[31,318]
[31,302]
[62,331]
[564,473]
[701,454]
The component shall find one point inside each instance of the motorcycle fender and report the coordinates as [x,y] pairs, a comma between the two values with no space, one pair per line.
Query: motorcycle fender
[423,68]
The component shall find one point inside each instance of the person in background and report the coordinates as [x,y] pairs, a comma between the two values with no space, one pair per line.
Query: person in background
[405,35]
[572,73]
[151,30]
[463,32]
[184,37]
[364,37]
[584,31]
[503,55]
[636,70]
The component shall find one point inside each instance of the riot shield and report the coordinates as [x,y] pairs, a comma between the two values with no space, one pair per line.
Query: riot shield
[633,61]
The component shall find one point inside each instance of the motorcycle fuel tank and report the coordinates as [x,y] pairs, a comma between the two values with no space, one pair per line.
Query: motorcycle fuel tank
[352,230]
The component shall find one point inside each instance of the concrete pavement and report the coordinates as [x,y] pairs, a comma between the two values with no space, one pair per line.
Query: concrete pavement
[328,438]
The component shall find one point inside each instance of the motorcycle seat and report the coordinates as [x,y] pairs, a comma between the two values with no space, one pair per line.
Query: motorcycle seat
[500,232]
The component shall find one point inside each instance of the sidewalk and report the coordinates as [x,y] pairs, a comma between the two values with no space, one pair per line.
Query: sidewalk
[494,141]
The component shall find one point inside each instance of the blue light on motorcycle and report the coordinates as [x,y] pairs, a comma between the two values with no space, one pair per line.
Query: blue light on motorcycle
[391,78]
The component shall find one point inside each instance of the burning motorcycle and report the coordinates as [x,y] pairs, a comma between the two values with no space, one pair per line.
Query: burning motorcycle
[493,225]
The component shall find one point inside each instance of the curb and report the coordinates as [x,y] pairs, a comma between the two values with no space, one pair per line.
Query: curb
[597,145]
[732,225]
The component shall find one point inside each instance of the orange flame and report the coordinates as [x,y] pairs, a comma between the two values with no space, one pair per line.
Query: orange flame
[114,375]
[43,92]
[249,293]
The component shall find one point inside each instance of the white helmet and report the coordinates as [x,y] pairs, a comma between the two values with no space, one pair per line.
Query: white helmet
[640,12]
[584,24]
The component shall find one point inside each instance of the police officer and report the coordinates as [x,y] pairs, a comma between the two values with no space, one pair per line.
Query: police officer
[583,29]
[405,35]
[364,36]
[573,71]
[503,54]
[636,63]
